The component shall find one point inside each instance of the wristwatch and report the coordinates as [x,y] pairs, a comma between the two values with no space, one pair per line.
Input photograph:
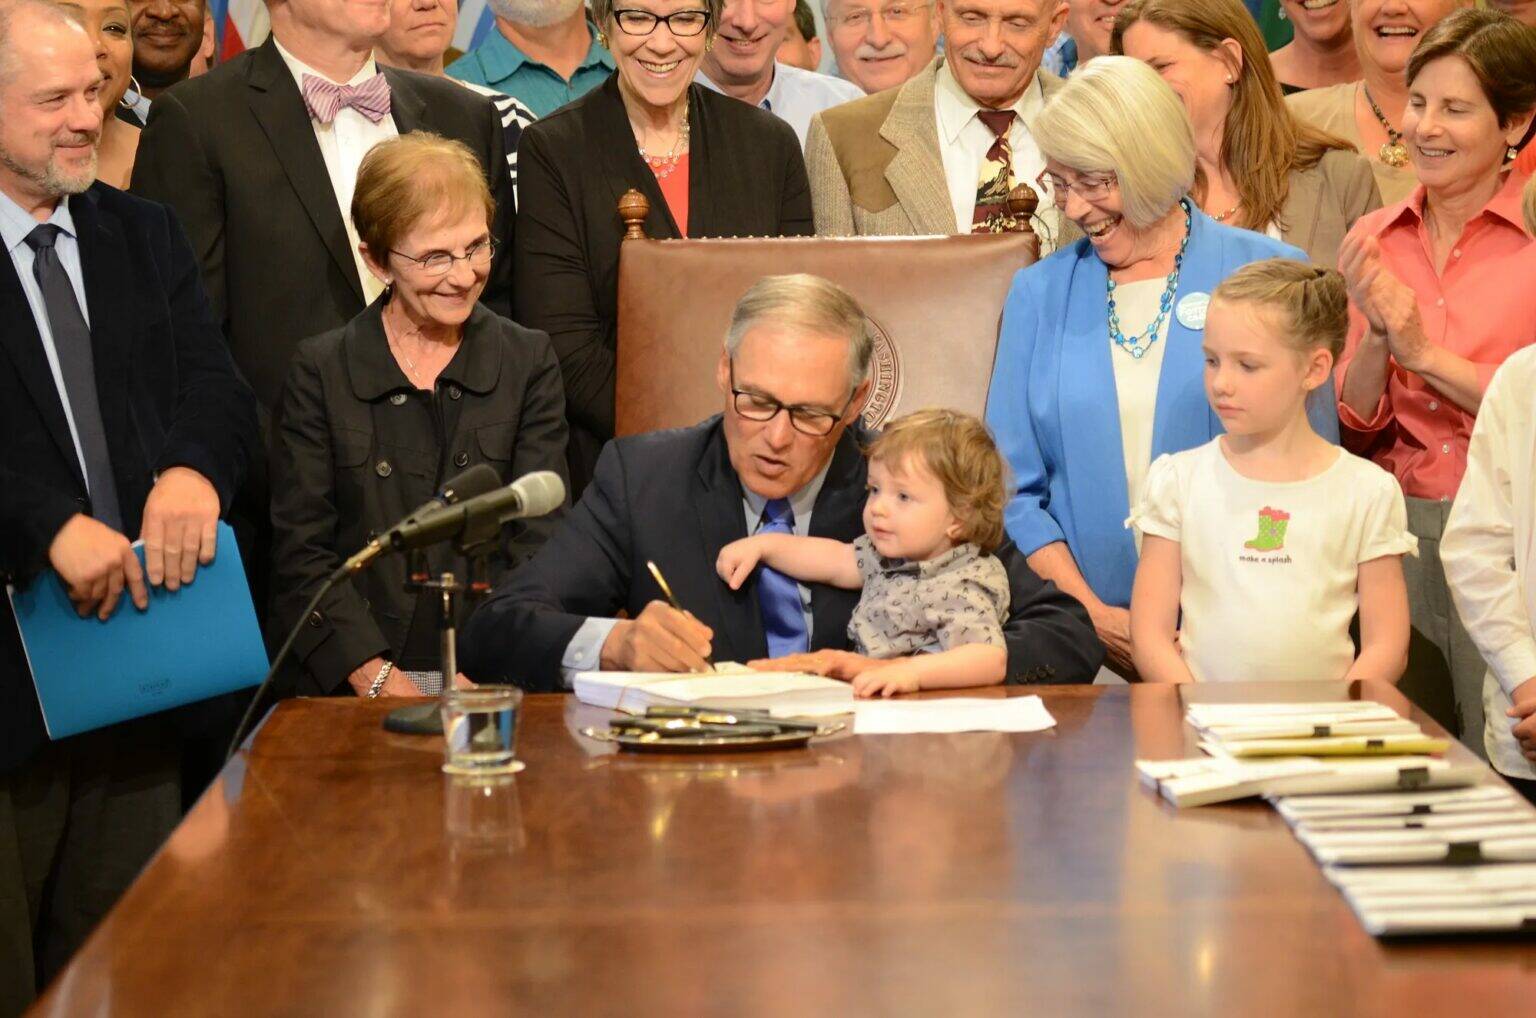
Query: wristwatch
[380,679]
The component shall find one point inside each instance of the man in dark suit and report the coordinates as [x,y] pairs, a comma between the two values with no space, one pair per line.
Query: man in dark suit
[784,455]
[260,167]
[123,416]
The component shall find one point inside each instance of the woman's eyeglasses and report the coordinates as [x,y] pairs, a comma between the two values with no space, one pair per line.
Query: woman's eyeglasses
[680,23]
[1090,187]
[440,263]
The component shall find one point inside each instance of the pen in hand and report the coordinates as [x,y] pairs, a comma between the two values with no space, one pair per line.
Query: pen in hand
[661,581]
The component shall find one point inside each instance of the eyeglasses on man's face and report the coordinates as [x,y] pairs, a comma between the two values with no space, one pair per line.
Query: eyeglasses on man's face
[761,408]
[1090,187]
[440,263]
[680,23]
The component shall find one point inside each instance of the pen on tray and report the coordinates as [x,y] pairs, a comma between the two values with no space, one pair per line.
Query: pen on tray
[661,581]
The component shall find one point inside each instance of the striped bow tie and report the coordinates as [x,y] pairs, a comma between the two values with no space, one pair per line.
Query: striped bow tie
[325,99]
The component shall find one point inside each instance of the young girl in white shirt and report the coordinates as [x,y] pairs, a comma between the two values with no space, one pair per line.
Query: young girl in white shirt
[1269,538]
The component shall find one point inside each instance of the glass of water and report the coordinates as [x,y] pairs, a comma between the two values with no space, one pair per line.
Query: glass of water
[480,730]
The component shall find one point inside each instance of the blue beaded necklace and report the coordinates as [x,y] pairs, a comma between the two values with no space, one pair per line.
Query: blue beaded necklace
[1138,345]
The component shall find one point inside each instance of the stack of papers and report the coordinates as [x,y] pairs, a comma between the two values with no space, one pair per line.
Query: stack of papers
[796,694]
[1479,845]
[1303,748]
[1488,823]
[1407,900]
[1202,781]
[784,694]
[958,714]
[1351,728]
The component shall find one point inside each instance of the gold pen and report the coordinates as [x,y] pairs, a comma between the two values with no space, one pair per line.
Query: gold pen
[661,581]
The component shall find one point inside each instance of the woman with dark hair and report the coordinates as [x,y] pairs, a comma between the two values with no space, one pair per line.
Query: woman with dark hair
[1443,288]
[1261,167]
[1322,50]
[1369,113]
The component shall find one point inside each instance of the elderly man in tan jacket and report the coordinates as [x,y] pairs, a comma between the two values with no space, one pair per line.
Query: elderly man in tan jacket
[938,154]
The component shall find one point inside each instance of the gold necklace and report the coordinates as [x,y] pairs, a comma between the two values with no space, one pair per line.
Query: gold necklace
[1394,153]
[1229,213]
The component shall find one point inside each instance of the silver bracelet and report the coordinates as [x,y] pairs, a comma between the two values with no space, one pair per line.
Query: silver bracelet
[378,683]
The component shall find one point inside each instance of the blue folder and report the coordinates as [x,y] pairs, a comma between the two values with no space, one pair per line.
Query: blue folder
[190,644]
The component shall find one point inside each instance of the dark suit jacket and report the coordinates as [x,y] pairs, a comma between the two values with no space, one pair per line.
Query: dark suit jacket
[234,153]
[169,394]
[746,178]
[673,498]
[357,447]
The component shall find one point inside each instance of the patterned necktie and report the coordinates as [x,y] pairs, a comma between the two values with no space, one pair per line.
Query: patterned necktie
[778,596]
[77,365]
[325,99]
[996,177]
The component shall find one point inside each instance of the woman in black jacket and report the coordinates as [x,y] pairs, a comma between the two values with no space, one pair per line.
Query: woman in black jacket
[378,414]
[712,166]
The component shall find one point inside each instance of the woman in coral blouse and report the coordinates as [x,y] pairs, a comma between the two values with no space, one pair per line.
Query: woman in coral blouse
[1443,289]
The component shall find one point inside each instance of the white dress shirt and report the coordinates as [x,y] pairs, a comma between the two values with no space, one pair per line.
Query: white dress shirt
[964,141]
[584,651]
[1488,551]
[343,143]
[16,223]
[797,95]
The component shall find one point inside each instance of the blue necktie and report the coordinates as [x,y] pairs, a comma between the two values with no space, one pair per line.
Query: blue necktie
[778,596]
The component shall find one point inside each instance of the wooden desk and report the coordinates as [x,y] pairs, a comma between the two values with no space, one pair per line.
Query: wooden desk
[334,871]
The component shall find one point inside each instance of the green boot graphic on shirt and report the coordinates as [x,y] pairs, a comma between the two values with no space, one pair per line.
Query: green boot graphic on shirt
[1272,524]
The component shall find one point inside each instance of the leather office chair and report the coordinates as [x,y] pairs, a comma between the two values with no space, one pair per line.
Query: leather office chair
[934,305]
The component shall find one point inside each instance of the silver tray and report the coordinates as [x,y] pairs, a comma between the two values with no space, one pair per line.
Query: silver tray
[709,743]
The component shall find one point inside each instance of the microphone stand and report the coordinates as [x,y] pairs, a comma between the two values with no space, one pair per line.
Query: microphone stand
[476,543]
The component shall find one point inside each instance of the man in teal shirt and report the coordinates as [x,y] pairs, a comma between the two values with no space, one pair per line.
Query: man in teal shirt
[544,53]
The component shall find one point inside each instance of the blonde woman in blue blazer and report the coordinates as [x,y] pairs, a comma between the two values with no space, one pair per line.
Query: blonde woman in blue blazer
[1100,367]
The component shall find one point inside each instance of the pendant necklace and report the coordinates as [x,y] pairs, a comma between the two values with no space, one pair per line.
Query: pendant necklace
[1394,153]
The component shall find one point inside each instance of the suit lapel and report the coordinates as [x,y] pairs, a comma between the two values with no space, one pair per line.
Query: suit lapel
[625,167]
[700,196]
[718,503]
[1295,228]
[103,253]
[279,108]
[916,172]
[406,107]
[24,344]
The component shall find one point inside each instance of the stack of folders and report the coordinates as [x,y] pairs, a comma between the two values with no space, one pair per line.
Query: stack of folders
[1303,748]
[1441,861]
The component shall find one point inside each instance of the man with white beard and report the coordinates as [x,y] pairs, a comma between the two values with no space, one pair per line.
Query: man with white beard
[544,53]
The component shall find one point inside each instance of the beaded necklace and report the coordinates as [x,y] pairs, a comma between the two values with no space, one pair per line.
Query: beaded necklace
[662,166]
[1138,345]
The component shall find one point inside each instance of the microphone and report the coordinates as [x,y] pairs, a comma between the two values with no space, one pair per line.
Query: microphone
[476,481]
[532,494]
